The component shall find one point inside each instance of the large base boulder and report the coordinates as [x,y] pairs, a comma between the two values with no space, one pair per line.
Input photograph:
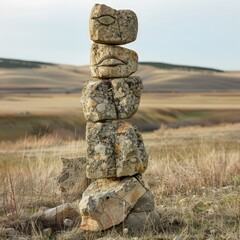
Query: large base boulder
[107,202]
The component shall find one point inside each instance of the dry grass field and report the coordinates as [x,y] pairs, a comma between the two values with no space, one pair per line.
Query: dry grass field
[190,119]
[194,173]
[17,76]
[38,114]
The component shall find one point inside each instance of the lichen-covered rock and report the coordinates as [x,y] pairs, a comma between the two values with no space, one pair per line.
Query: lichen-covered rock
[100,150]
[130,154]
[114,99]
[107,202]
[97,100]
[115,149]
[108,61]
[127,95]
[110,26]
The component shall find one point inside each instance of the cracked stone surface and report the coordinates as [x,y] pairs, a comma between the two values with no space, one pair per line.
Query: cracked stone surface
[109,61]
[110,26]
[107,202]
[97,101]
[115,149]
[127,95]
[111,99]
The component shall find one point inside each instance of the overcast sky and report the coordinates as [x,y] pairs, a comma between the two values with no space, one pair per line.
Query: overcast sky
[192,32]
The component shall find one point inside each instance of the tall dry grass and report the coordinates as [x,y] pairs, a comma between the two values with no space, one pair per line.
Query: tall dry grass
[194,173]
[28,173]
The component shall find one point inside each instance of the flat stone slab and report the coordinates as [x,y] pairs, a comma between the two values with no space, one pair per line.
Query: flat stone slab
[107,202]
[109,61]
[58,214]
[110,26]
[111,99]
[115,149]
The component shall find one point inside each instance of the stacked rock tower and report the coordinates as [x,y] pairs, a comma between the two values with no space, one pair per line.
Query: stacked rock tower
[116,155]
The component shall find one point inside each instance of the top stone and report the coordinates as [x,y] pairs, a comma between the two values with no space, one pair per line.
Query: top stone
[109,26]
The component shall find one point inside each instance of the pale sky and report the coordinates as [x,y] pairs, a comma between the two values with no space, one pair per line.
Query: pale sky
[191,32]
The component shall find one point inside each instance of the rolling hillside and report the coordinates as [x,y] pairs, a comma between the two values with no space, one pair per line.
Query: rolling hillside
[17,76]
[35,98]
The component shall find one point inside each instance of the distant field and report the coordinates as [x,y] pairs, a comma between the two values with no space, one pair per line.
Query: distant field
[40,114]
[18,76]
[44,98]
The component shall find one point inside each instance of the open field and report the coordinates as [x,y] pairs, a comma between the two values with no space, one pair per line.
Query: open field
[61,114]
[194,173]
[17,76]
[43,98]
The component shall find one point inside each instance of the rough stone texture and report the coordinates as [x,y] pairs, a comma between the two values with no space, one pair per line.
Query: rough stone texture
[115,149]
[127,95]
[110,26]
[130,154]
[72,181]
[107,202]
[116,155]
[111,99]
[139,223]
[108,61]
[100,150]
[97,101]
[58,214]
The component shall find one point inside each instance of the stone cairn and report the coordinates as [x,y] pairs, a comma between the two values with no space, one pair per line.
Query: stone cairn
[116,155]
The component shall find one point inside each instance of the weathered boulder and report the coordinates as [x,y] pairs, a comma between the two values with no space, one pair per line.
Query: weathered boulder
[57,215]
[115,149]
[111,99]
[100,150]
[108,61]
[107,202]
[130,154]
[110,26]
[97,101]
[127,95]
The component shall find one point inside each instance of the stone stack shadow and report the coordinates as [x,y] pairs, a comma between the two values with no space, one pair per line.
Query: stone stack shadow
[116,156]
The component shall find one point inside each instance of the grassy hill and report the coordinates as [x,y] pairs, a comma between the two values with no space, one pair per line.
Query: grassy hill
[179,67]
[43,98]
[14,63]
[19,76]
